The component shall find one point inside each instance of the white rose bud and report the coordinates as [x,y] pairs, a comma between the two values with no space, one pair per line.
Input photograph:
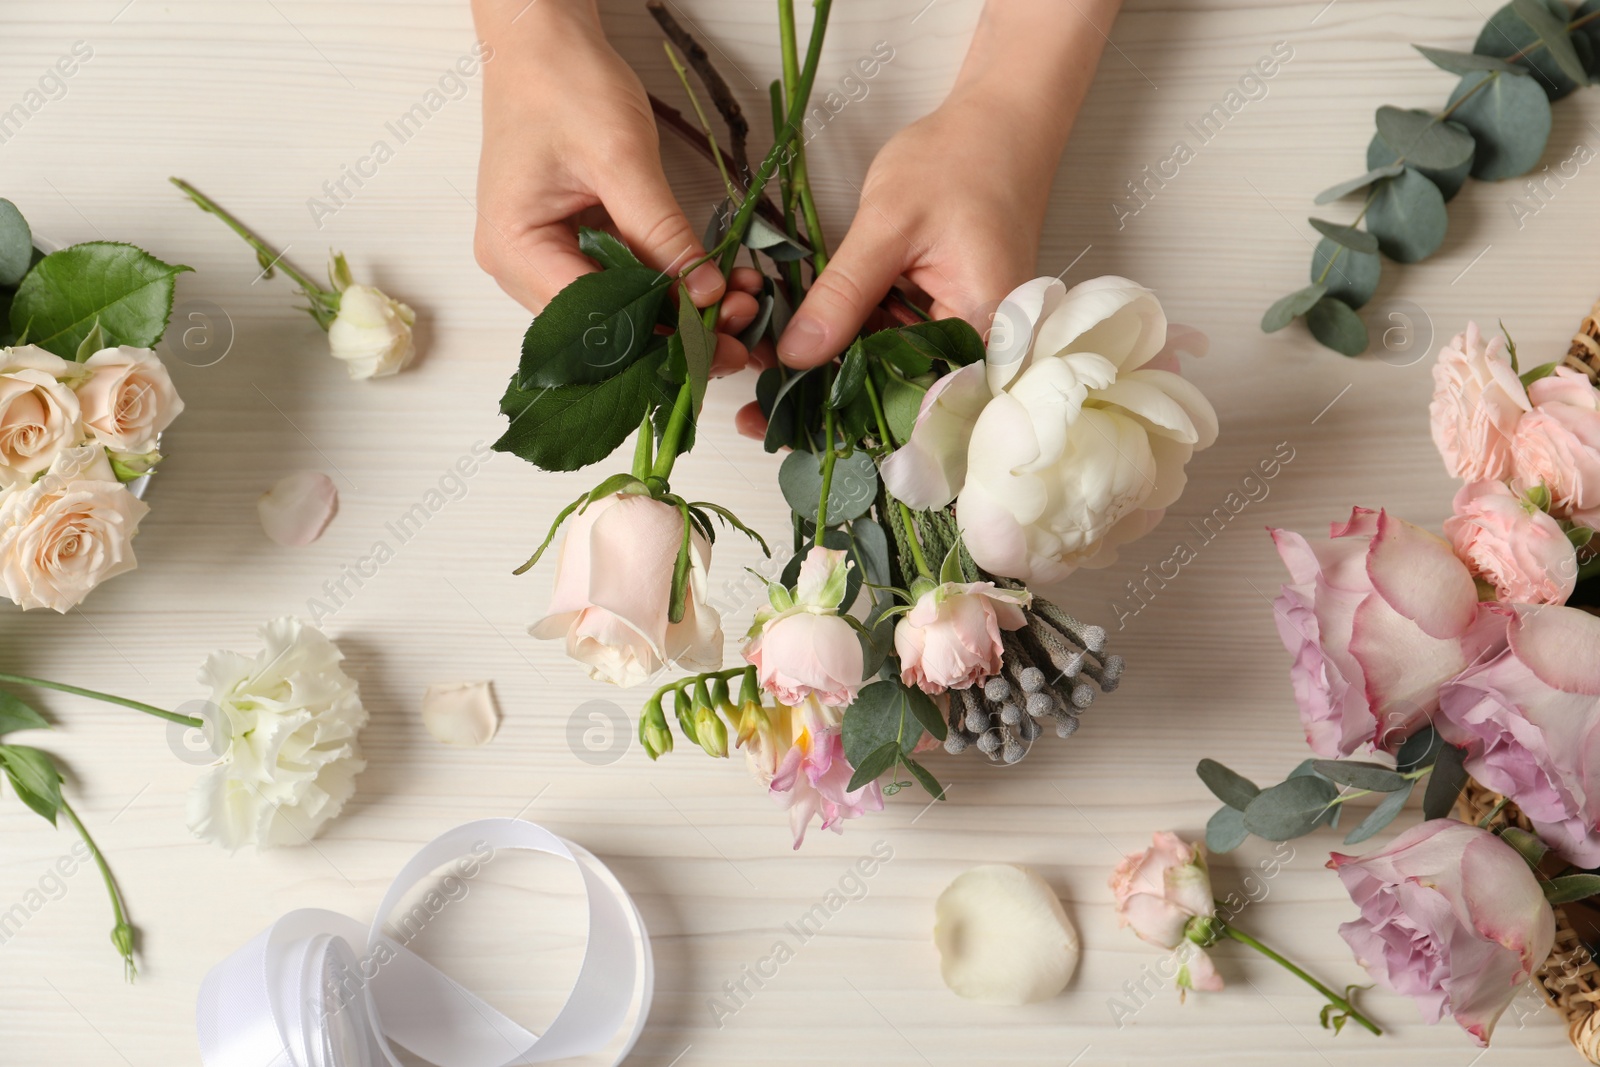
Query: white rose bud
[371,333]
[128,399]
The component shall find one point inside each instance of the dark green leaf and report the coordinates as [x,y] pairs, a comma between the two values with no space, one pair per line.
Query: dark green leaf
[1528,846]
[1348,236]
[871,547]
[1419,750]
[1289,809]
[1334,324]
[872,765]
[1464,62]
[609,252]
[1361,775]
[1449,777]
[698,345]
[784,413]
[1422,139]
[1570,887]
[16,244]
[1351,277]
[895,347]
[1286,309]
[952,340]
[901,402]
[1226,830]
[850,493]
[125,289]
[15,715]
[1449,181]
[1345,188]
[677,604]
[1230,787]
[766,238]
[34,776]
[717,225]
[852,372]
[751,335]
[594,329]
[1509,119]
[1380,816]
[1408,217]
[1507,34]
[1551,26]
[926,780]
[566,428]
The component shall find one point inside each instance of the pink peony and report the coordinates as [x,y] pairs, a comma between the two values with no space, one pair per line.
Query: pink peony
[1557,445]
[1377,617]
[1451,917]
[1159,892]
[812,777]
[1530,722]
[801,646]
[951,638]
[1477,401]
[1513,546]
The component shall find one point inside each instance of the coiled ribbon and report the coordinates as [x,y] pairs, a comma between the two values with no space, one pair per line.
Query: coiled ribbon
[299,996]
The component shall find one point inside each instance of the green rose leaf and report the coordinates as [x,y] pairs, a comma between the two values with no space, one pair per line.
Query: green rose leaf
[1333,323]
[1507,34]
[698,346]
[572,426]
[952,340]
[33,775]
[1349,276]
[15,715]
[901,402]
[1230,787]
[1380,816]
[1288,308]
[1408,217]
[1424,140]
[1225,831]
[605,249]
[784,411]
[852,372]
[594,329]
[894,347]
[1449,180]
[1569,887]
[1465,62]
[1449,777]
[850,494]
[1348,236]
[1361,775]
[1345,188]
[123,288]
[16,244]
[1509,118]
[1289,809]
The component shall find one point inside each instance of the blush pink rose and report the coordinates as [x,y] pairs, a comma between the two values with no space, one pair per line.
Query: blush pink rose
[1510,544]
[1557,445]
[128,399]
[800,646]
[1451,917]
[951,638]
[1477,402]
[1377,618]
[813,777]
[1159,893]
[1529,720]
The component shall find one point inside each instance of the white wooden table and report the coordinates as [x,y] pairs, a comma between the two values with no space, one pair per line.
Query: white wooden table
[260,103]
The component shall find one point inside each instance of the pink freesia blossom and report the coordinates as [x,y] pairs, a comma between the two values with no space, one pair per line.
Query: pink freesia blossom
[1477,402]
[1557,445]
[800,646]
[1377,618]
[1159,892]
[811,778]
[1451,917]
[951,638]
[1530,722]
[1515,547]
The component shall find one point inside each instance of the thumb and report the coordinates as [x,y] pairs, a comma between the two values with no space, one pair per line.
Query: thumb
[838,303]
[650,221]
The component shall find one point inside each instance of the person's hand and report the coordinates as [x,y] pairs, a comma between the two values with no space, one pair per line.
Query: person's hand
[568,138]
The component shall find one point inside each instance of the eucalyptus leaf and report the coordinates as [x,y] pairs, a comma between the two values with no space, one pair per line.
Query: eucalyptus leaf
[1359,774]
[16,715]
[850,493]
[924,778]
[594,329]
[1465,62]
[1227,785]
[124,289]
[887,712]
[752,334]
[1449,777]
[16,244]
[1423,140]
[1225,830]
[871,548]
[569,427]
[1334,324]
[1348,236]
[33,775]
[1286,309]
[1509,118]
[605,249]
[1449,181]
[1381,816]
[764,237]
[1551,26]
[1348,276]
[1345,188]
[1289,809]
[784,413]
[872,765]
[1419,750]
[1508,34]
[717,226]
[1408,217]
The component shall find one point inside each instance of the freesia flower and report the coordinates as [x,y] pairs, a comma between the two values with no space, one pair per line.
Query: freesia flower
[371,333]
[128,399]
[1451,917]
[1512,545]
[1529,720]
[291,716]
[800,646]
[1160,894]
[950,639]
[613,593]
[1557,445]
[1377,618]
[810,775]
[1477,403]
[1066,441]
[39,412]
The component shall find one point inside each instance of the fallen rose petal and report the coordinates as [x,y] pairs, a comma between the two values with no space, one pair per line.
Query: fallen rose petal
[1003,937]
[298,508]
[460,714]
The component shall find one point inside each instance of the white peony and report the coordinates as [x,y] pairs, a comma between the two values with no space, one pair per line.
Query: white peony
[38,411]
[1069,439]
[128,399]
[67,532]
[291,716]
[371,333]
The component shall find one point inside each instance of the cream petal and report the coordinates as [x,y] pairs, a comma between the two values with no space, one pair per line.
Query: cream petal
[298,507]
[928,470]
[460,714]
[1115,317]
[1152,404]
[1011,333]
[1003,937]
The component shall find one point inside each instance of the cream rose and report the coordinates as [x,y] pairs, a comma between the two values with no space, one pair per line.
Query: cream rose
[67,532]
[128,399]
[38,411]
[371,333]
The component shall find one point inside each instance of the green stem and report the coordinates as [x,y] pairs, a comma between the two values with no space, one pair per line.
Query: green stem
[705,125]
[170,716]
[801,177]
[270,257]
[693,679]
[1339,1002]
[791,268]
[877,411]
[912,542]
[1411,775]
[122,932]
[828,458]
[672,436]
[1483,823]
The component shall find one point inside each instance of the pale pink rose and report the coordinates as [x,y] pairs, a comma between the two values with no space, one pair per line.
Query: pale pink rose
[1529,720]
[950,639]
[1451,917]
[67,532]
[1557,445]
[1377,618]
[614,590]
[128,399]
[38,411]
[812,777]
[1160,892]
[1513,546]
[1477,401]
[800,646]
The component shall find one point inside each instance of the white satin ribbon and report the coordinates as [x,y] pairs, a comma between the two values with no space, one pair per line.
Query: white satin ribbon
[298,995]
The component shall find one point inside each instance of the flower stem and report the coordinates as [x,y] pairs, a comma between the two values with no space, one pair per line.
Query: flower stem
[705,126]
[122,932]
[828,458]
[643,460]
[905,512]
[1335,999]
[672,436]
[269,257]
[800,177]
[170,716]
[1420,772]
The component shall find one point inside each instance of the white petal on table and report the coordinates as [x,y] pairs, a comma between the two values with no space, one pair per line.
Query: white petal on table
[298,508]
[1003,937]
[460,714]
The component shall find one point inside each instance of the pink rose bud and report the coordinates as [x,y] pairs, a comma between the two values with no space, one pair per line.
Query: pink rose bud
[1377,618]
[1557,445]
[800,646]
[1164,895]
[951,638]
[1512,545]
[1451,917]
[1477,401]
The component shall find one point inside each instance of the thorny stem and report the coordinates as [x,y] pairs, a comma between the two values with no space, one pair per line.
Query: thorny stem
[122,932]
[1339,1002]
[270,257]
[705,125]
[170,716]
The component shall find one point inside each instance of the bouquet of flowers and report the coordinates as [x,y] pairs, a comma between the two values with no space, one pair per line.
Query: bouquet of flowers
[1469,661]
[83,402]
[932,476]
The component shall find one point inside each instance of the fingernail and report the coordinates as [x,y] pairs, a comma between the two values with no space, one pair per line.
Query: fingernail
[704,282]
[802,342]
